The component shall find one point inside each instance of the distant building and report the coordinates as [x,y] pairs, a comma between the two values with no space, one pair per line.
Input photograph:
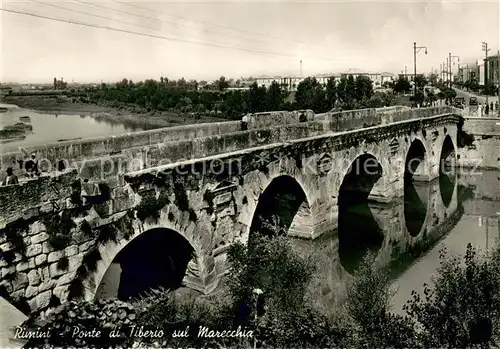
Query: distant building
[492,69]
[467,72]
[60,84]
[480,73]
[409,77]
[290,83]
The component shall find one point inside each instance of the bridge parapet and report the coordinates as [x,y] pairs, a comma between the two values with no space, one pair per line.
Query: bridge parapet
[361,118]
[275,118]
[102,146]
[29,198]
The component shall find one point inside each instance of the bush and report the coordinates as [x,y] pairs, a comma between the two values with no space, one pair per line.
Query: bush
[103,315]
[368,308]
[167,311]
[463,307]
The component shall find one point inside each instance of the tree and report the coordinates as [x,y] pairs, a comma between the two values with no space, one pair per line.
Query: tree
[311,95]
[331,92]
[363,89]
[274,97]
[256,98]
[402,86]
[420,81]
[222,83]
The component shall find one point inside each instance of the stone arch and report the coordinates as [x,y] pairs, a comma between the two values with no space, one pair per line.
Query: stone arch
[416,161]
[447,172]
[200,273]
[358,231]
[416,197]
[285,198]
[156,258]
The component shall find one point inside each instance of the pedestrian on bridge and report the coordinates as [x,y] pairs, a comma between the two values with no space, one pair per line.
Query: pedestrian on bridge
[486,109]
[11,177]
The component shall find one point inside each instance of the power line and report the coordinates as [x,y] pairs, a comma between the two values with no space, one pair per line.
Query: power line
[209,24]
[162,21]
[94,15]
[157,36]
[89,14]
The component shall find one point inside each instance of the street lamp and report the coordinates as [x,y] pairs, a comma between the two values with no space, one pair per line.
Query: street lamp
[415,51]
[485,49]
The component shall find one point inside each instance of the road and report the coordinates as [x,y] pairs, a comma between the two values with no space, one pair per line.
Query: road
[480,99]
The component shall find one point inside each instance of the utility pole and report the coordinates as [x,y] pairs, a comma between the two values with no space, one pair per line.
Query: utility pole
[415,51]
[450,61]
[498,83]
[486,49]
[447,71]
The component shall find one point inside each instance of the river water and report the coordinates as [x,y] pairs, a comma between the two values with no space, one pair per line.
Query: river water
[407,235]
[50,127]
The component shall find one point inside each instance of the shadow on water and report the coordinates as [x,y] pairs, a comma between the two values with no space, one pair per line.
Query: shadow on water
[415,206]
[447,172]
[157,258]
[358,232]
[416,196]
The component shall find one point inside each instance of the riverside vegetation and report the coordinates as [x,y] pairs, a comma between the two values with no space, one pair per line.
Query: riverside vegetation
[460,310]
[185,98]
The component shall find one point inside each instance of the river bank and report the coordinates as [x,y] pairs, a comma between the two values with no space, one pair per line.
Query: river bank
[129,115]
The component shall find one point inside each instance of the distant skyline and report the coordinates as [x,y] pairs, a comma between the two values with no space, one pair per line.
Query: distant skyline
[271,38]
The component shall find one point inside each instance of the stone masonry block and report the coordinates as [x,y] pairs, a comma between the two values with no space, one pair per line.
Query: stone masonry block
[33,250]
[34,277]
[55,256]
[40,259]
[36,239]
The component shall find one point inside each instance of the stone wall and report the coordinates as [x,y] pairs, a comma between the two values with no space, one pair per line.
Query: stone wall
[28,198]
[485,152]
[137,158]
[95,147]
[357,119]
[275,118]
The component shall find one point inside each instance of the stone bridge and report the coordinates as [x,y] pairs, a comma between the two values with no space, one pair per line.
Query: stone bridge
[203,187]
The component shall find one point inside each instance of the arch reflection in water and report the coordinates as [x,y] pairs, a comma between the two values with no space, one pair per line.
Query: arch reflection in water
[416,196]
[447,172]
[156,258]
[358,232]
[284,203]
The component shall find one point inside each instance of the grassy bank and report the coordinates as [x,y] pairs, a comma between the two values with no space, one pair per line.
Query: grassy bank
[130,115]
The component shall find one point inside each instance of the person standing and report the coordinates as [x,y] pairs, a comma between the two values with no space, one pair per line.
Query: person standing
[244,123]
[480,110]
[486,109]
[11,177]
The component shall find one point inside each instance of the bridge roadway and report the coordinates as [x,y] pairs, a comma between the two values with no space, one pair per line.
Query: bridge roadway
[210,210]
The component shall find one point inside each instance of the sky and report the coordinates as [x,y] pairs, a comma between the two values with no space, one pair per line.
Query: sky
[207,39]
